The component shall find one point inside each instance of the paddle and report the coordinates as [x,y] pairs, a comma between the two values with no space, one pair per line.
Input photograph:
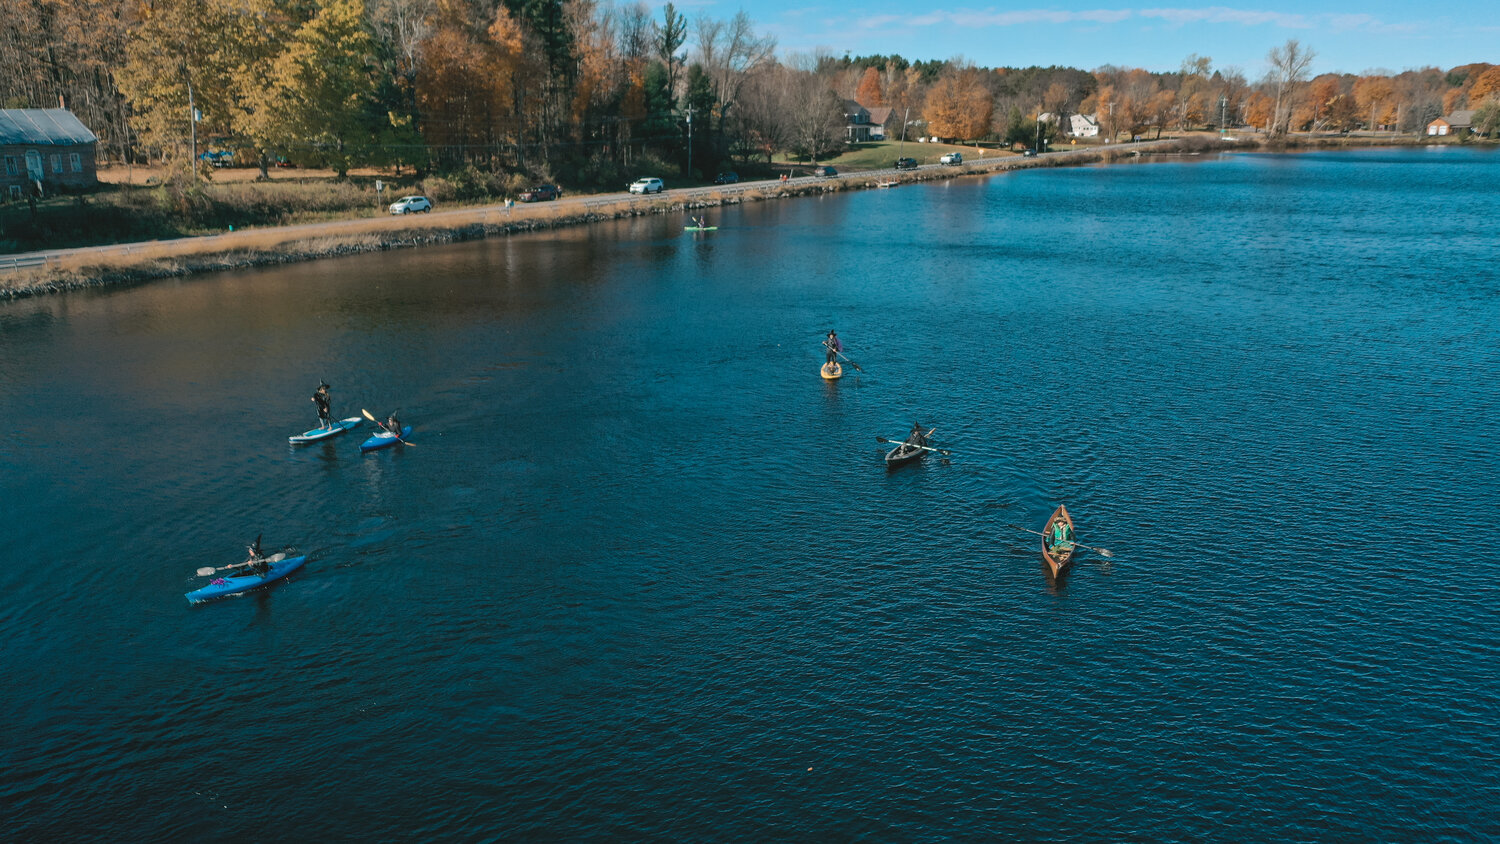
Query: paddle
[842,355]
[943,451]
[1103,552]
[382,427]
[274,558]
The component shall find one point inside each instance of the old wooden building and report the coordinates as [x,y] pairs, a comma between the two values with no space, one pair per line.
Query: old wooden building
[45,150]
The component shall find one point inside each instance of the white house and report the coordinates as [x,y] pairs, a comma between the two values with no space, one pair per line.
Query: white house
[1083,126]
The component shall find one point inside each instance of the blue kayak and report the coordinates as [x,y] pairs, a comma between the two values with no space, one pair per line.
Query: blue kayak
[316,434]
[384,439]
[234,584]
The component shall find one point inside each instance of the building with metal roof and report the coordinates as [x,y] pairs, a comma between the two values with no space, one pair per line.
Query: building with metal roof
[45,151]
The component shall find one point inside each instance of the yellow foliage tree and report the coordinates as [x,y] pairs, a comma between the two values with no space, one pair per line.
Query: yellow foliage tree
[959,106]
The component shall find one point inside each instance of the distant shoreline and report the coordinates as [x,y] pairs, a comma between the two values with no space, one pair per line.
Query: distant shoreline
[137,263]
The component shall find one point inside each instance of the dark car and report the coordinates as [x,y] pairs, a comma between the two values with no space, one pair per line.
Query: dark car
[824,171]
[1030,153]
[728,177]
[906,164]
[541,193]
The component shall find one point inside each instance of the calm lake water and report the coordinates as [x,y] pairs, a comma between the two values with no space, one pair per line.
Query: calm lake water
[644,576]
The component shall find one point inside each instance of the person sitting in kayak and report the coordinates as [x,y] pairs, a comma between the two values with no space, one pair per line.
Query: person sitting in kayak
[916,437]
[257,564]
[324,403]
[392,426]
[833,345]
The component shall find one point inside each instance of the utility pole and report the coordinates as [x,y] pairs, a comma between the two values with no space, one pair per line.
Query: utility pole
[1223,108]
[192,125]
[690,142]
[905,119]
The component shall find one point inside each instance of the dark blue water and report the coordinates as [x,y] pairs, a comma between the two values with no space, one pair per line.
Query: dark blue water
[644,576]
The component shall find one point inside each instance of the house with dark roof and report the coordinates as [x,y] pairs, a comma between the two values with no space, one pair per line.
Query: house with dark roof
[1454,124]
[45,151]
[857,125]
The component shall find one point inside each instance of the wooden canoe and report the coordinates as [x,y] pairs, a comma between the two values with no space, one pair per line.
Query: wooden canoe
[832,371]
[1059,556]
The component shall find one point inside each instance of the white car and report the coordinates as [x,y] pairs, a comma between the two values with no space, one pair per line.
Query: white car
[952,158]
[647,185]
[411,205]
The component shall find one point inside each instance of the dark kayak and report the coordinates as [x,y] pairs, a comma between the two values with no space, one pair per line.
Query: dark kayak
[234,584]
[384,439]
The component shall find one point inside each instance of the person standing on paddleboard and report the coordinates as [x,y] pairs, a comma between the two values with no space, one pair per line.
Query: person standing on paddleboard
[833,345]
[324,403]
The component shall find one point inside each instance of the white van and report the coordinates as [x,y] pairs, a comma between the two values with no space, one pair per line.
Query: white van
[647,185]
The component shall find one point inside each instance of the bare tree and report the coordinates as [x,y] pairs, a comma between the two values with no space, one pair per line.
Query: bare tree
[1290,65]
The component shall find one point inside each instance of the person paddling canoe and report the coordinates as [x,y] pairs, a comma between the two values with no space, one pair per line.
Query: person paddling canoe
[833,345]
[324,403]
[916,437]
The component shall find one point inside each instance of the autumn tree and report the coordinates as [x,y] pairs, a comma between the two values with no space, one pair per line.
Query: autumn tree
[1485,85]
[728,52]
[1259,111]
[959,106]
[1289,68]
[814,116]
[185,50]
[870,93]
[1373,95]
[321,91]
[1487,117]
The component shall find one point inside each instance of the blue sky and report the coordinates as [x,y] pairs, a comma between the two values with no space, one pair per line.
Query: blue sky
[1348,37]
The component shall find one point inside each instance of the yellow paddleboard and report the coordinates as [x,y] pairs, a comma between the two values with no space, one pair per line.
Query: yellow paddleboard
[832,371]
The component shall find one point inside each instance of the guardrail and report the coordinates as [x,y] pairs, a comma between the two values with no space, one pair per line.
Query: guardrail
[9,263]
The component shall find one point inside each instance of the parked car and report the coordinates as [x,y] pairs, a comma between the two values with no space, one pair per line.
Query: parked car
[728,177]
[648,184]
[411,205]
[283,161]
[1030,153]
[822,172]
[952,158]
[541,193]
[217,157]
[906,164]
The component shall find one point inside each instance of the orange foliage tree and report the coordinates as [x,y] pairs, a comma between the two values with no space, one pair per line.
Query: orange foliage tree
[869,92]
[1374,95]
[1485,85]
[1258,111]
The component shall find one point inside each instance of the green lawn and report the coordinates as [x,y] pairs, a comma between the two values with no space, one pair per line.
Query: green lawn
[880,155]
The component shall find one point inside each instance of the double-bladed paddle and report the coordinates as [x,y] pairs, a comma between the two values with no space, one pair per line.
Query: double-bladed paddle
[382,427]
[1103,552]
[943,451]
[274,558]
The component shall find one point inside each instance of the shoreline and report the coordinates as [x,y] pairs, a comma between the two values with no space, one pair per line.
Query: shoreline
[138,263]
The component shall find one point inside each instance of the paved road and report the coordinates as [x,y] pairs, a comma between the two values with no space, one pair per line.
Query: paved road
[497,213]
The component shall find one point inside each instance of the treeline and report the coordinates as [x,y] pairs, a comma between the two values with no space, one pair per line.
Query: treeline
[593,93]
